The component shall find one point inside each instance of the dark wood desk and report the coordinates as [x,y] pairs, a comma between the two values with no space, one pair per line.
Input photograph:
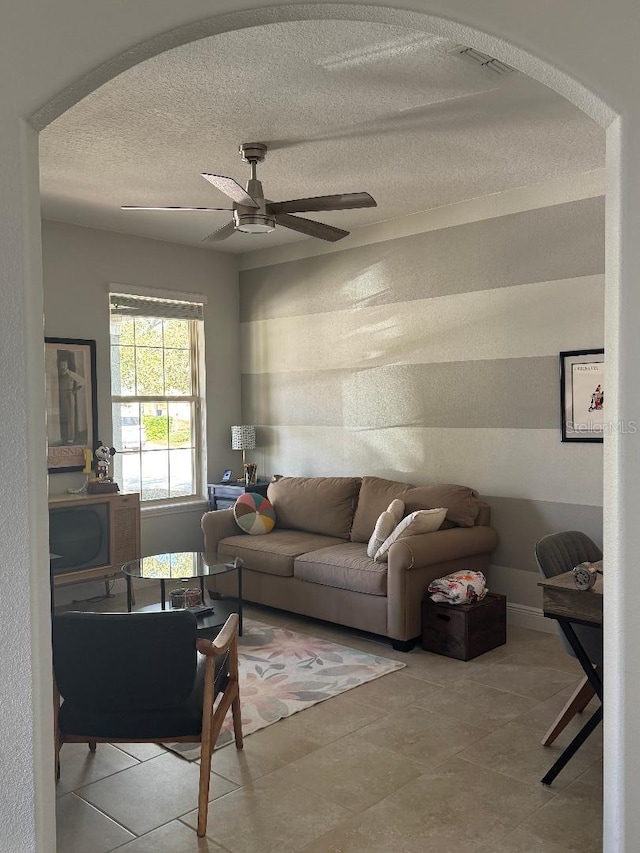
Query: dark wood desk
[561,600]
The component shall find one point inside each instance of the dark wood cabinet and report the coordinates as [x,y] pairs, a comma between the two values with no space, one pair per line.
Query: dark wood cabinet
[224,495]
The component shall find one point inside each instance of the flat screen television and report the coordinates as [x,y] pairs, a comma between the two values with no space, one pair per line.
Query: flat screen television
[79,537]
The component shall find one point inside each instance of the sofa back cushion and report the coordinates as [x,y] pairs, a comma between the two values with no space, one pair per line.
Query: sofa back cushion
[316,504]
[462,503]
[484,514]
[376,494]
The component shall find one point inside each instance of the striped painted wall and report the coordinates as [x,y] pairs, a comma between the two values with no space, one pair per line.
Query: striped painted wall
[433,357]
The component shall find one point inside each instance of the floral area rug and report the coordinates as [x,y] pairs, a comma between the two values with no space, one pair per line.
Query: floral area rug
[283,672]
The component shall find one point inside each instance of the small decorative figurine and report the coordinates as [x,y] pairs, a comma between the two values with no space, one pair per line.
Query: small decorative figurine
[103,456]
[102,482]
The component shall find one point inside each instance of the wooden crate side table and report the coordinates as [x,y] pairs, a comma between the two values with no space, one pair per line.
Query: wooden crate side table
[464,631]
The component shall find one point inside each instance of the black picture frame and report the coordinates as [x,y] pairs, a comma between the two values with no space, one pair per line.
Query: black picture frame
[226,476]
[72,409]
[582,395]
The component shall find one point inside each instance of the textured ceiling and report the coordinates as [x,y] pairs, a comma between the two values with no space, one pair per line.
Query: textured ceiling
[342,106]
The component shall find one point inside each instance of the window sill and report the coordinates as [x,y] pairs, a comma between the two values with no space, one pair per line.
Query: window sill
[174,507]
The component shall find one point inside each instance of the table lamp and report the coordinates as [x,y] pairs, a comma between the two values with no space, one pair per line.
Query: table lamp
[243,438]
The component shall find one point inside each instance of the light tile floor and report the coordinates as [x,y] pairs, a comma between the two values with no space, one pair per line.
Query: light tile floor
[441,756]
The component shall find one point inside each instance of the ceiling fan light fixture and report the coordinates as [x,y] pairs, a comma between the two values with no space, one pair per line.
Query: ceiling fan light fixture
[254,223]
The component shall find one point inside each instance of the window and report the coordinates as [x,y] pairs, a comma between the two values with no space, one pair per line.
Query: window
[156,382]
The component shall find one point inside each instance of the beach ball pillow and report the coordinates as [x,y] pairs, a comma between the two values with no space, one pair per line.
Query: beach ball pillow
[254,514]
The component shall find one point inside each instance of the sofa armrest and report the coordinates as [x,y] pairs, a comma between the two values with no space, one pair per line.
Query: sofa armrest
[216,525]
[426,549]
[417,560]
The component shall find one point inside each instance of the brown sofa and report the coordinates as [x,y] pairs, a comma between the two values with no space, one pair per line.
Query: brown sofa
[315,561]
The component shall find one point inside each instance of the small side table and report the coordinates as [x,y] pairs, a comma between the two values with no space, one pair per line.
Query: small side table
[464,631]
[188,565]
[224,495]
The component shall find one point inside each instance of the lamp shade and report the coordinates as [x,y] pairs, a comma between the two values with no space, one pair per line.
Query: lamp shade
[243,437]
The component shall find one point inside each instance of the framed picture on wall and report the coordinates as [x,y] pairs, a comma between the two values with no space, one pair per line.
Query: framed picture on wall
[582,395]
[72,416]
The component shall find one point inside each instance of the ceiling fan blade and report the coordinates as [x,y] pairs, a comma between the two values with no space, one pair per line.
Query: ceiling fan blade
[143,207]
[342,201]
[231,188]
[222,233]
[311,227]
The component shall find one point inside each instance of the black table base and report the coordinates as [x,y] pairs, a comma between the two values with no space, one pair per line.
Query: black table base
[596,718]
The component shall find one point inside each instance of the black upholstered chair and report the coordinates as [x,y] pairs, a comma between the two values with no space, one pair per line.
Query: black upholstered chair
[138,677]
[555,554]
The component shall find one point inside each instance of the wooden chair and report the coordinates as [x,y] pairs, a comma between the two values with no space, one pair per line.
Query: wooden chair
[138,678]
[555,554]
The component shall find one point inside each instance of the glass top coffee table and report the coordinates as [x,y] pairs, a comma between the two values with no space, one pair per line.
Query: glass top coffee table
[188,565]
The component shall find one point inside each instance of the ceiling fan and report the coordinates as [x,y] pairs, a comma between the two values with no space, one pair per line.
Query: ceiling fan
[254,214]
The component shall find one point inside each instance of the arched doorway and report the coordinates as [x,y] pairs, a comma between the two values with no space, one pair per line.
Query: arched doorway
[517,57]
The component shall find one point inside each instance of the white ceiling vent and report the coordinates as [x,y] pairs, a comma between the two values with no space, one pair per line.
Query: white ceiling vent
[474,55]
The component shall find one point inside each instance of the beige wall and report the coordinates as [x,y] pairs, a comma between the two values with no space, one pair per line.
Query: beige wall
[433,357]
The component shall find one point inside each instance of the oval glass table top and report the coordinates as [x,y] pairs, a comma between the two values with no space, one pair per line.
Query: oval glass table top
[181,564]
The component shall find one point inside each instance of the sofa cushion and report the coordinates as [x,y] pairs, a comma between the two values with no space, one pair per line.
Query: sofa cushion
[376,494]
[385,525]
[462,502]
[273,554]
[344,566]
[322,505]
[420,521]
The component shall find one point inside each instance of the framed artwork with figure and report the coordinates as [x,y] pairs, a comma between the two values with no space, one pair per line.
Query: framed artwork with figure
[72,417]
[582,395]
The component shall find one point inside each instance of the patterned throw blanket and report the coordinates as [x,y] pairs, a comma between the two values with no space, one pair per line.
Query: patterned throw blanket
[464,587]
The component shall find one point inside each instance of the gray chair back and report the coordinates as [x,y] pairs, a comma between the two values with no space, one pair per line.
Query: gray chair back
[561,552]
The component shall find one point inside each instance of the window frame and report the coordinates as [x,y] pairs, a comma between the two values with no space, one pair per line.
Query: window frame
[196,399]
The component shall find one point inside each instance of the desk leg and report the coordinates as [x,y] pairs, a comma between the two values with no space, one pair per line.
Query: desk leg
[589,670]
[573,747]
[163,595]
[129,582]
[592,674]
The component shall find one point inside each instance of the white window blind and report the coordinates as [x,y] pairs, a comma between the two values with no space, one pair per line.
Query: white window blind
[143,306]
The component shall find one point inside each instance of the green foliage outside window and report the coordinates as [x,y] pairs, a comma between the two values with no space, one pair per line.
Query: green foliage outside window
[156,429]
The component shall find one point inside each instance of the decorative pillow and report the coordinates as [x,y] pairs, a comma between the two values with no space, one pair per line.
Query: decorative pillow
[385,525]
[420,521]
[254,514]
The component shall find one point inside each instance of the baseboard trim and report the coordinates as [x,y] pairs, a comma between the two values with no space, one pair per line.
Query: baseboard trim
[529,617]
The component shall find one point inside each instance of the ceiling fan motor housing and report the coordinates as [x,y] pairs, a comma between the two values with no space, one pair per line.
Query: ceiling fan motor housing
[253,152]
